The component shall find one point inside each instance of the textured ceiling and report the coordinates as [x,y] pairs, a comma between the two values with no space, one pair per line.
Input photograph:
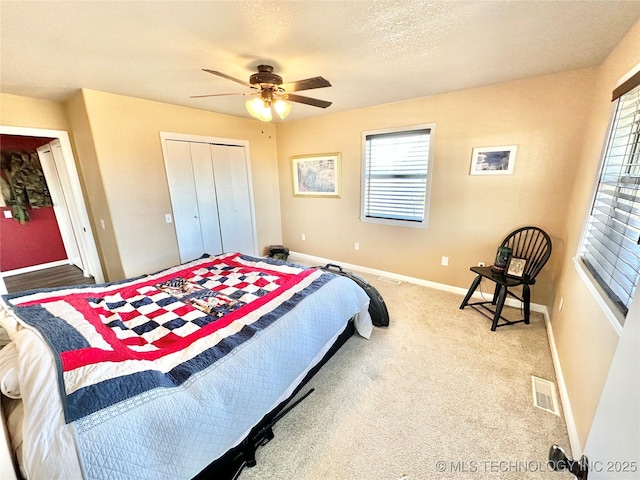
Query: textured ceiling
[372,52]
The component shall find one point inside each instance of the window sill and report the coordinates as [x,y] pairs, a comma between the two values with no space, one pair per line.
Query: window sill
[397,223]
[616,319]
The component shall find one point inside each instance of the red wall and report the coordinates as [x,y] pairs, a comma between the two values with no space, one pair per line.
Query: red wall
[37,241]
[19,142]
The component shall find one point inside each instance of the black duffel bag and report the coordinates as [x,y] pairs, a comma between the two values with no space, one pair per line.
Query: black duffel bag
[377,308]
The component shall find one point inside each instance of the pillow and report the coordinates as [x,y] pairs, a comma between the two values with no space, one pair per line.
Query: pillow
[9,379]
[4,337]
[14,413]
[8,325]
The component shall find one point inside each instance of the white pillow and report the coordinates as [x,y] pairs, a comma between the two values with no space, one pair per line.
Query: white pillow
[9,379]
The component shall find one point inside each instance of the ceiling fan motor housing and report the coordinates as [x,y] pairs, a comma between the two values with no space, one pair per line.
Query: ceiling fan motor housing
[265,76]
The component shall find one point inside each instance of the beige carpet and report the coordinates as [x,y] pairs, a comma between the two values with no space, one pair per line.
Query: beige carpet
[437,395]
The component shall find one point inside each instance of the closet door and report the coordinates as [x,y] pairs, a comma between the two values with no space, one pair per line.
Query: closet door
[234,201]
[60,205]
[73,216]
[206,197]
[183,199]
[210,192]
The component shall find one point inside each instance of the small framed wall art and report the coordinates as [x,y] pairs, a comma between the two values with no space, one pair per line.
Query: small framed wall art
[493,160]
[316,175]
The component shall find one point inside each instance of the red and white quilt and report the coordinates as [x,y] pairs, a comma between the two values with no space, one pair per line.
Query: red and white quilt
[112,342]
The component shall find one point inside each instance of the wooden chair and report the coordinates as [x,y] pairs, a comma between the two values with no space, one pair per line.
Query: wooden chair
[529,243]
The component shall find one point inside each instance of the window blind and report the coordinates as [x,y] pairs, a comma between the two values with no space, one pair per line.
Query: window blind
[611,247]
[395,178]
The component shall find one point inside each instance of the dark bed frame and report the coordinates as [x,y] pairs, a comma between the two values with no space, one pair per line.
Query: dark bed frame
[231,464]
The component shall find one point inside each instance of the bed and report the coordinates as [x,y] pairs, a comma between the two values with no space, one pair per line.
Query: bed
[170,375]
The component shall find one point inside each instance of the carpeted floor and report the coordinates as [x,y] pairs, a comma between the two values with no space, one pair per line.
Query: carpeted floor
[437,395]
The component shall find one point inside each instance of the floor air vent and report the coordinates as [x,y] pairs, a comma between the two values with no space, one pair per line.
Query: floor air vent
[544,395]
[390,280]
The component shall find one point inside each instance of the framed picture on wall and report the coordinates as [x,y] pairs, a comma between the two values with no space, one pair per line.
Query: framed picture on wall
[316,175]
[493,160]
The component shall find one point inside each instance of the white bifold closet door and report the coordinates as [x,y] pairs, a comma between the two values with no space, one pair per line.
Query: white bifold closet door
[57,177]
[210,196]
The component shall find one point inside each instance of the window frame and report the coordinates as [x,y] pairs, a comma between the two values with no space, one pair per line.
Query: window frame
[612,311]
[427,197]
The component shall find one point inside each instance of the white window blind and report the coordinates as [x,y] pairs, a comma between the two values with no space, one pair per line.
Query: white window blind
[396,171]
[611,249]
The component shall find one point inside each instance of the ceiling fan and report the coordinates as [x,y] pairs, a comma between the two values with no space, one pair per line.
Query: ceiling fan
[272,92]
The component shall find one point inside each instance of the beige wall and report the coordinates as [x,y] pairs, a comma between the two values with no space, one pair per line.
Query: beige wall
[585,339]
[16,111]
[125,133]
[119,155]
[94,188]
[469,215]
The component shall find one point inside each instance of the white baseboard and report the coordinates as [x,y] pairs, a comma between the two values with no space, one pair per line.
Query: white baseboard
[572,431]
[34,268]
[511,302]
[576,449]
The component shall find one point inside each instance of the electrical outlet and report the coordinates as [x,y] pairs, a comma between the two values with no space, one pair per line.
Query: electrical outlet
[167,218]
[356,246]
[481,264]
[8,214]
[303,237]
[445,261]
[102,224]
[561,304]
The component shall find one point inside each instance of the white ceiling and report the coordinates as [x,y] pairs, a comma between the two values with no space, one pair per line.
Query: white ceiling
[373,52]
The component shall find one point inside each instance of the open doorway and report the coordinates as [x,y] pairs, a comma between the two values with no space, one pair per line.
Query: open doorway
[37,245]
[68,254]
[29,231]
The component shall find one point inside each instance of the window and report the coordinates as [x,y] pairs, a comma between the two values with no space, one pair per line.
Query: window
[396,176]
[611,245]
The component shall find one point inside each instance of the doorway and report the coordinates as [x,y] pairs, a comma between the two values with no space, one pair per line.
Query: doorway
[61,172]
[29,232]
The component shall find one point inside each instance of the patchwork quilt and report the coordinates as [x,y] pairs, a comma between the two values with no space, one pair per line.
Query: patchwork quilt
[160,375]
[117,341]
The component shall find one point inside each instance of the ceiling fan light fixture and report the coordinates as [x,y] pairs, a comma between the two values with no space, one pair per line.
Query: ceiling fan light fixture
[273,92]
[259,109]
[282,108]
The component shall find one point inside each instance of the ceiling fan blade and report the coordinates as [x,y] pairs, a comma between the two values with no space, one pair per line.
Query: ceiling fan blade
[306,84]
[221,95]
[307,100]
[229,77]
